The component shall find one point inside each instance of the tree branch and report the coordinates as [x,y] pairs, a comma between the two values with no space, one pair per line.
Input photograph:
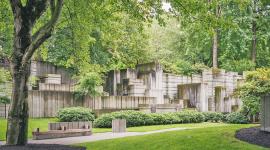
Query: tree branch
[35,8]
[16,6]
[43,33]
[52,5]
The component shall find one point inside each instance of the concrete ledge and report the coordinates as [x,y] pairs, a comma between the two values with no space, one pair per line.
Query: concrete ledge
[60,134]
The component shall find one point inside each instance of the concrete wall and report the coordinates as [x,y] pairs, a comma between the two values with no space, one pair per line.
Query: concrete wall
[47,103]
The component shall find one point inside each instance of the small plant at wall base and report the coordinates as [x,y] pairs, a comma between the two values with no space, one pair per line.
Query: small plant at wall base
[257,84]
[73,114]
[33,81]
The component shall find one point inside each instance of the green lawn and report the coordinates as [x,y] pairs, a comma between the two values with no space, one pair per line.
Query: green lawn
[33,124]
[43,125]
[209,138]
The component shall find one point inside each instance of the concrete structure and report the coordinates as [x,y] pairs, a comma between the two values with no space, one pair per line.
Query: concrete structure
[209,91]
[119,125]
[147,85]
[265,113]
[64,129]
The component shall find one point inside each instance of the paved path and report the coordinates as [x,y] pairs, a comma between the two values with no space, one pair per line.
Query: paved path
[97,137]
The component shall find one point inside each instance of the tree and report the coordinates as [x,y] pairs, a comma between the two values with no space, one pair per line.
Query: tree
[33,25]
[25,43]
[208,16]
[259,11]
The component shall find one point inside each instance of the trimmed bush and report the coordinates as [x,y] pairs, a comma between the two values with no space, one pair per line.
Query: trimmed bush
[213,116]
[136,118]
[236,118]
[73,114]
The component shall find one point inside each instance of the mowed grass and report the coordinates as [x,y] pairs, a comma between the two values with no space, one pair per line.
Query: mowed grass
[43,125]
[208,138]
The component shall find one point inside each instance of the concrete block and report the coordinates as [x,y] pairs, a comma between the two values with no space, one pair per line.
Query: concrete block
[119,125]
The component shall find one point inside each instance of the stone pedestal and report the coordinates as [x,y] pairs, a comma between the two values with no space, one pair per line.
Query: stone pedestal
[119,125]
[265,113]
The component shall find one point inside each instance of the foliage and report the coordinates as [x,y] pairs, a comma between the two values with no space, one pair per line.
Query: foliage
[72,114]
[33,80]
[238,65]
[88,84]
[213,116]
[4,75]
[256,85]
[236,118]
[136,118]
[4,100]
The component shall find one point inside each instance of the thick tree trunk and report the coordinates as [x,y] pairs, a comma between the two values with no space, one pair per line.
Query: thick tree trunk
[254,42]
[18,112]
[215,49]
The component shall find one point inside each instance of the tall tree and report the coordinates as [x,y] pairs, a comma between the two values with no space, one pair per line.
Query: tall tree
[259,12]
[34,23]
[207,16]
[24,45]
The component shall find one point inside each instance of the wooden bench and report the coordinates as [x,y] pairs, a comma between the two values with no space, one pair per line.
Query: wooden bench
[64,129]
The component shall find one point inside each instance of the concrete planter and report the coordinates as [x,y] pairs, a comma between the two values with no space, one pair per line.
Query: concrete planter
[64,129]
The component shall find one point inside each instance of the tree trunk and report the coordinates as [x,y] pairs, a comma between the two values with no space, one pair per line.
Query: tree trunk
[254,42]
[215,49]
[215,38]
[18,112]
[254,32]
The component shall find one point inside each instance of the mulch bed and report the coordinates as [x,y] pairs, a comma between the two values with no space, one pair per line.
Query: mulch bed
[42,147]
[254,136]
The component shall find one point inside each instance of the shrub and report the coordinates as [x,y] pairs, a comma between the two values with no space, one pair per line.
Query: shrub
[236,118]
[135,118]
[73,114]
[213,116]
[190,116]
[257,84]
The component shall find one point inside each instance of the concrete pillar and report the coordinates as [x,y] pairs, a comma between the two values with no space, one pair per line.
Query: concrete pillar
[265,113]
[203,97]
[119,125]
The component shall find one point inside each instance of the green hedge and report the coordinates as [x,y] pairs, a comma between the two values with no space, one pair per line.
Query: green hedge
[72,114]
[236,118]
[214,116]
[136,118]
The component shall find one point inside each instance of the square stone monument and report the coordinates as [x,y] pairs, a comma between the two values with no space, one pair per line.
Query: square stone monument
[119,125]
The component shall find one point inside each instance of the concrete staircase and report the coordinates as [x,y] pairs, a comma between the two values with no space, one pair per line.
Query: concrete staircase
[136,87]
